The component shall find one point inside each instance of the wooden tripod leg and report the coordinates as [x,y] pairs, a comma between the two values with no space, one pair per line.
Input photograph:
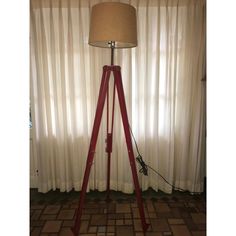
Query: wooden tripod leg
[121,97]
[109,141]
[96,125]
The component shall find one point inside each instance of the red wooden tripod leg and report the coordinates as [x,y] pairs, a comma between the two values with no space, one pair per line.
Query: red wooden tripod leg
[121,97]
[96,125]
[109,141]
[108,176]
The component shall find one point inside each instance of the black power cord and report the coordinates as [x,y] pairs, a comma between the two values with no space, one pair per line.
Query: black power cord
[144,167]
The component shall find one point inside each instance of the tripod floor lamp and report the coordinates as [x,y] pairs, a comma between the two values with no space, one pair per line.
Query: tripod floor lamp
[113,25]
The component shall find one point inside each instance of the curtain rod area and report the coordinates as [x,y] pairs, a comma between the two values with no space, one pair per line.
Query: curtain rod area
[90,3]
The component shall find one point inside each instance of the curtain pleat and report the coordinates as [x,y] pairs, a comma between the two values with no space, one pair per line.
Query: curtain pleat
[164,92]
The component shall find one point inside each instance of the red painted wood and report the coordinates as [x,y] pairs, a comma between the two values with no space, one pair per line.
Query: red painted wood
[97,121]
[121,97]
[93,141]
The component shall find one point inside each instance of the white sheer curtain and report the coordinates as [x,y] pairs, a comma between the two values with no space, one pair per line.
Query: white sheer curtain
[164,94]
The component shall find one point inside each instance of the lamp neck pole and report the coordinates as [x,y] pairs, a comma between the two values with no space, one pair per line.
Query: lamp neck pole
[112,44]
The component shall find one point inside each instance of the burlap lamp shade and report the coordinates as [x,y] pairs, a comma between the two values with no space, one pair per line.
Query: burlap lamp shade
[113,22]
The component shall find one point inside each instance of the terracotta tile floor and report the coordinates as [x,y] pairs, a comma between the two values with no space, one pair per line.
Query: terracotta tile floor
[178,214]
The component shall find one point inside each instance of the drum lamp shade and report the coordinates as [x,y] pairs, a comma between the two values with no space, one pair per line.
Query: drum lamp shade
[113,22]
